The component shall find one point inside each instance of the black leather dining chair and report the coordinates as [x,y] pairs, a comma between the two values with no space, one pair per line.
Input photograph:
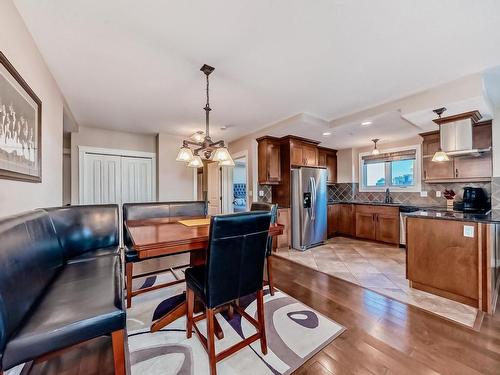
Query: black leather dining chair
[273,208]
[234,268]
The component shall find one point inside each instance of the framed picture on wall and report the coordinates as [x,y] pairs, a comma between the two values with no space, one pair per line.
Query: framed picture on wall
[20,127]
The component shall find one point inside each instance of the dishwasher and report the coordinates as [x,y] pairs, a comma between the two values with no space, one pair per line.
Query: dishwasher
[402,222]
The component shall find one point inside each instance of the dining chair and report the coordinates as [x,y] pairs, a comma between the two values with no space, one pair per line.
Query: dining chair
[273,208]
[234,268]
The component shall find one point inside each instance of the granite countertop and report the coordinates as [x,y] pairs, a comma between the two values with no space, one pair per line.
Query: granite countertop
[491,217]
[369,203]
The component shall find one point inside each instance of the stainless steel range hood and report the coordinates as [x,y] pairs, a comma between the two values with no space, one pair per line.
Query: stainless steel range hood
[456,134]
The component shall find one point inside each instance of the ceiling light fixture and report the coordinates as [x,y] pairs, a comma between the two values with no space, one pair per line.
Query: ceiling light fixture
[375,150]
[366,123]
[327,133]
[198,136]
[440,155]
[215,151]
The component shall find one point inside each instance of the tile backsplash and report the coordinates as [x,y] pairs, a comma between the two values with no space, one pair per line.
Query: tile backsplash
[344,192]
[267,198]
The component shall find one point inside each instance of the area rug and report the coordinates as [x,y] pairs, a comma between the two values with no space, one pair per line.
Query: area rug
[294,332]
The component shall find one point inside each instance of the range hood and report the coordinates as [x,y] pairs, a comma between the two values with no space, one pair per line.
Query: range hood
[456,135]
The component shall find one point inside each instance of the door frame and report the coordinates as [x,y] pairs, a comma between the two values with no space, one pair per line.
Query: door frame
[227,182]
[82,150]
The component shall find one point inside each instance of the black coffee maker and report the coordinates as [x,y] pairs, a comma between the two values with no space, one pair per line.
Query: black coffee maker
[474,200]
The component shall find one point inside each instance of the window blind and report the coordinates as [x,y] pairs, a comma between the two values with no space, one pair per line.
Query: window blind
[390,156]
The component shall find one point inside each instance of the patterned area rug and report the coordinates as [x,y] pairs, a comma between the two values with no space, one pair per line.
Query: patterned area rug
[294,331]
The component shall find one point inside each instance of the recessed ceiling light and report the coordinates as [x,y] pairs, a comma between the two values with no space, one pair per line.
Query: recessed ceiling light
[327,133]
[366,123]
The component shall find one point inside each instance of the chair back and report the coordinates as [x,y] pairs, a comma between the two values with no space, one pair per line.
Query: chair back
[30,258]
[85,228]
[153,210]
[235,256]
[273,208]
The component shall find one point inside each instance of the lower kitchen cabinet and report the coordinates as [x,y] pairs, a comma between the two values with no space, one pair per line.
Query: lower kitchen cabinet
[341,219]
[370,222]
[365,225]
[284,240]
[387,227]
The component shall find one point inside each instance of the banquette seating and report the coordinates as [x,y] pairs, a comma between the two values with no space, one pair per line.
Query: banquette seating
[60,282]
[153,210]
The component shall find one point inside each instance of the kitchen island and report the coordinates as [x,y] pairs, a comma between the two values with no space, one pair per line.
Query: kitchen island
[455,255]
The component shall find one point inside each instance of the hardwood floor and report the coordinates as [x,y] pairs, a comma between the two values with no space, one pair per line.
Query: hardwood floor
[385,336]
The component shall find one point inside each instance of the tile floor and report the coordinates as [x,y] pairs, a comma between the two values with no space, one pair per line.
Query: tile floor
[379,267]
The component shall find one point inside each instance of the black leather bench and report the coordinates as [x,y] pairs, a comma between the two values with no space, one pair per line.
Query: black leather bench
[141,211]
[60,282]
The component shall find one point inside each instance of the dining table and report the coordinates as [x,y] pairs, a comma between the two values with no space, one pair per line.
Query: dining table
[168,236]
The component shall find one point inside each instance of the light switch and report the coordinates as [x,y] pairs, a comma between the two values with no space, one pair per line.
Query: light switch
[438,194]
[423,194]
[468,231]
[261,193]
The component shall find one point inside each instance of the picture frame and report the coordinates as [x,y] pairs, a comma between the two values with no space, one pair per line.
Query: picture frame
[20,127]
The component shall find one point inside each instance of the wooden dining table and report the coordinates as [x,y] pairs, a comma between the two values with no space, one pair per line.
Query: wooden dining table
[167,236]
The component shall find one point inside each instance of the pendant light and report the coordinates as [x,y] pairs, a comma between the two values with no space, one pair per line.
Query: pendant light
[202,143]
[375,150]
[440,155]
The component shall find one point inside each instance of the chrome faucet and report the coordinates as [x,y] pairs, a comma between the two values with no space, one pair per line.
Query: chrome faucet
[388,198]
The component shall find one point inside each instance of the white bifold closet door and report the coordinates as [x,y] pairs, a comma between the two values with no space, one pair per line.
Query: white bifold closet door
[116,179]
[102,179]
[137,183]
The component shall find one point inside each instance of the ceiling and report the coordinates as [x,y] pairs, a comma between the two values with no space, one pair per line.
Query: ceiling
[124,65]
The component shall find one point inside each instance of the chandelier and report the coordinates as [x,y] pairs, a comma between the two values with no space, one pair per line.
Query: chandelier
[203,145]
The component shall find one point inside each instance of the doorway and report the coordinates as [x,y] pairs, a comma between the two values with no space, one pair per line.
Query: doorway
[239,190]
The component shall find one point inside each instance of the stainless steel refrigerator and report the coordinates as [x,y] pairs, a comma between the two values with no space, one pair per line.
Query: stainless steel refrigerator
[309,200]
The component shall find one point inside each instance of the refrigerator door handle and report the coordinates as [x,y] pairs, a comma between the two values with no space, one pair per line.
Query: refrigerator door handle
[313,198]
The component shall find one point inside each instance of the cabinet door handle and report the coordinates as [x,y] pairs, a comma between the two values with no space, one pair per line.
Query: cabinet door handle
[425,174]
[456,172]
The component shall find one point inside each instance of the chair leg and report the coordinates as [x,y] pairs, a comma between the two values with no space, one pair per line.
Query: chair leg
[270,274]
[190,309]
[211,341]
[118,339]
[262,324]
[129,272]
[230,311]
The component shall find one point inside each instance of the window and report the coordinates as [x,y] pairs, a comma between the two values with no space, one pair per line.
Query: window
[396,169]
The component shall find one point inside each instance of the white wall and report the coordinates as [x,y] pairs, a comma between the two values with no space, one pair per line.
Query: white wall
[176,181]
[103,138]
[18,46]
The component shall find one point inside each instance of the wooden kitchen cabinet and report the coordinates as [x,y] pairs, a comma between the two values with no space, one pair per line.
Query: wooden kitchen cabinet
[344,224]
[332,216]
[379,223]
[459,168]
[328,158]
[365,225]
[387,228]
[303,152]
[442,261]
[284,240]
[269,160]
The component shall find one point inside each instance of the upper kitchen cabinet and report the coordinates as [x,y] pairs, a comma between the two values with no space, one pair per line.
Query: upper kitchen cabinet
[303,152]
[328,158]
[469,166]
[269,160]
